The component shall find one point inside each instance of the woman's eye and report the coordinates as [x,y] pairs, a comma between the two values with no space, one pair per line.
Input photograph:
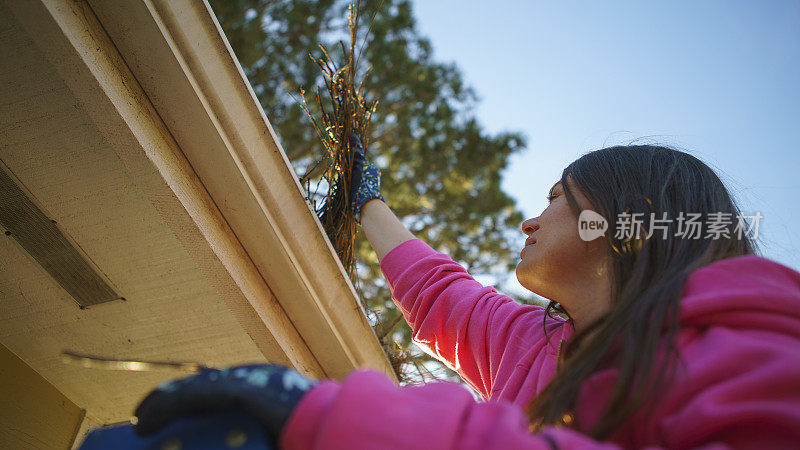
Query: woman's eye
[551,197]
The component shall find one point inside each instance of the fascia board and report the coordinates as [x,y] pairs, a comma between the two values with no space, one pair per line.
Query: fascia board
[84,57]
[179,55]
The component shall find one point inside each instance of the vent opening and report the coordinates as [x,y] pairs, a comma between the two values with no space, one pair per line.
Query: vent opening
[42,238]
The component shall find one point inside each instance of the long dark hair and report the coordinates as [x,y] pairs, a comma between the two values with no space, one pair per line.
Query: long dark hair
[647,276]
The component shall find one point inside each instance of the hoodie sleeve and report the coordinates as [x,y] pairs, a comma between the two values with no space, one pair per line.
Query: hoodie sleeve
[454,318]
[367,411]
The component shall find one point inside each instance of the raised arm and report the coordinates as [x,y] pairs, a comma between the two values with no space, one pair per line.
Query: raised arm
[383,229]
[492,341]
[470,327]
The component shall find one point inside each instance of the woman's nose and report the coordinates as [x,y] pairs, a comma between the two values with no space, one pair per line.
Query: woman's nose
[530,225]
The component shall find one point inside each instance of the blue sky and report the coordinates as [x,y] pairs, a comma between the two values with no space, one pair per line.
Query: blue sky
[716,79]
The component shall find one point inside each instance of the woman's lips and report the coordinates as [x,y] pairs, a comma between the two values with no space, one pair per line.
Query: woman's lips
[523,249]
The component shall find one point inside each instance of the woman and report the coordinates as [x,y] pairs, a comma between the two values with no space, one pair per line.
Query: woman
[674,338]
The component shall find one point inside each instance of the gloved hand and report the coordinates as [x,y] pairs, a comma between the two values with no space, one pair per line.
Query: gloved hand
[269,392]
[365,183]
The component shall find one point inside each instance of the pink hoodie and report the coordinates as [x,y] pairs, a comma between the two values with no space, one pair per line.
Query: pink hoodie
[740,339]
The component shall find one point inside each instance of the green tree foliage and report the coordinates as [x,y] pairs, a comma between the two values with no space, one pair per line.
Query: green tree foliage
[441,170]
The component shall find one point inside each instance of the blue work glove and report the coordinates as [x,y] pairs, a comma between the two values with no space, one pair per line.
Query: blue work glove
[365,183]
[268,392]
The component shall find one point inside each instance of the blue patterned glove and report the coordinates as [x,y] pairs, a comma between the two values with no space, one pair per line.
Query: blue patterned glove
[268,392]
[366,179]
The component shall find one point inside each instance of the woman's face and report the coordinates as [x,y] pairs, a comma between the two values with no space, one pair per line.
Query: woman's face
[560,265]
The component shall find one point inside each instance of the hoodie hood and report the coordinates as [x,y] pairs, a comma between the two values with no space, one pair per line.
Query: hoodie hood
[748,292]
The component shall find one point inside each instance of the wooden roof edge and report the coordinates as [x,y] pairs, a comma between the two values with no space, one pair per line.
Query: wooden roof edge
[185,65]
[80,51]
